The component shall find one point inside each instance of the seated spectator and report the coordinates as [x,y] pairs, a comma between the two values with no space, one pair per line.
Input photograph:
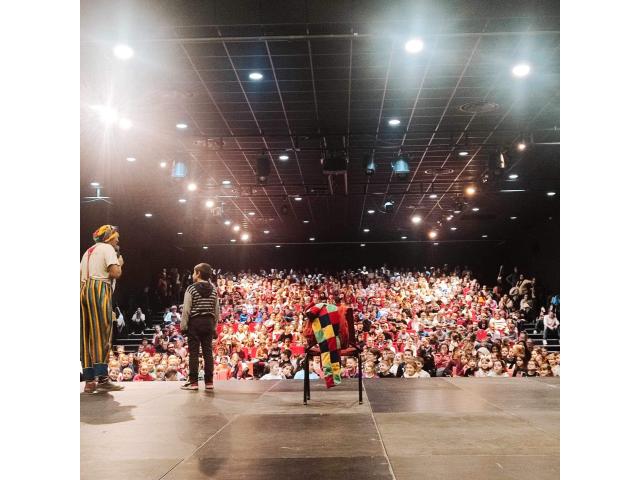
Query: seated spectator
[551,327]
[171,375]
[172,317]
[127,375]
[369,370]
[143,374]
[499,369]
[273,371]
[384,369]
[138,323]
[532,369]
[411,369]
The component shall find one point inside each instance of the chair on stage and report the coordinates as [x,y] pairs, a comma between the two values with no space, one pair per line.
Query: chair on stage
[352,350]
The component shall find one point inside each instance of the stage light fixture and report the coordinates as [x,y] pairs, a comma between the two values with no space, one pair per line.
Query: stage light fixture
[179,169]
[125,124]
[551,194]
[449,218]
[179,233]
[131,159]
[454,229]
[371,212]
[475,209]
[277,246]
[521,146]
[305,221]
[148,215]
[182,200]
[416,219]
[123,52]
[366,230]
[192,187]
[433,234]
[227,222]
[209,203]
[297,199]
[362,244]
[388,206]
[226,182]
[463,153]
[513,218]
[284,157]
[369,163]
[403,237]
[255,76]
[415,45]
[471,190]
[401,166]
[233,240]
[236,228]
[436,244]
[312,239]
[263,168]
[433,196]
[181,126]
[521,70]
[204,247]
[266,232]
[484,236]
[244,237]
[95,184]
[513,176]
[394,122]
[163,164]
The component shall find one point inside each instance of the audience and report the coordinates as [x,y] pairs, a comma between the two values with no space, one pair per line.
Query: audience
[409,324]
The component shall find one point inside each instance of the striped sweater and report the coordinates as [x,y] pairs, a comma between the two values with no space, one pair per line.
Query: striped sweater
[200,300]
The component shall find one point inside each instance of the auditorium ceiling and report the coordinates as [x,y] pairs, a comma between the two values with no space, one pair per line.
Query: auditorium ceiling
[338,84]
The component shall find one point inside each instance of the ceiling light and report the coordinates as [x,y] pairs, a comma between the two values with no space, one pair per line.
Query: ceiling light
[485,236]
[470,190]
[252,213]
[131,159]
[521,70]
[362,244]
[236,228]
[305,221]
[233,240]
[179,170]
[181,126]
[204,247]
[163,164]
[95,184]
[107,114]
[416,219]
[371,212]
[255,76]
[403,237]
[227,222]
[401,166]
[513,218]
[475,209]
[244,237]
[513,176]
[123,52]
[415,45]
[521,146]
[366,230]
[436,244]
[312,239]
[449,218]
[284,157]
[433,234]
[277,246]
[457,210]
[512,191]
[394,122]
[182,200]
[369,163]
[388,206]
[266,232]
[551,194]
[148,215]
[226,182]
[433,195]
[179,233]
[209,204]
[454,228]
[463,153]
[192,187]
[125,123]
[297,199]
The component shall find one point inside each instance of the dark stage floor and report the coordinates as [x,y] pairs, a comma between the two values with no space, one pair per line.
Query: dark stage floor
[439,428]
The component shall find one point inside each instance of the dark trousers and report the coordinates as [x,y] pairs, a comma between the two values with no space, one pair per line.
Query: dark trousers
[200,334]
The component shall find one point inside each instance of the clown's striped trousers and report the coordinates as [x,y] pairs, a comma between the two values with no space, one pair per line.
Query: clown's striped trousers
[95,327]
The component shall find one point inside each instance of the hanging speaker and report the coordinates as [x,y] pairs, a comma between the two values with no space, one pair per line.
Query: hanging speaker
[263,168]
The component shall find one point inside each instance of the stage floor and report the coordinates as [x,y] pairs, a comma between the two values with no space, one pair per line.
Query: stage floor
[438,428]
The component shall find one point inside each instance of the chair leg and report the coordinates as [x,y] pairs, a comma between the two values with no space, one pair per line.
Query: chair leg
[359,379]
[306,379]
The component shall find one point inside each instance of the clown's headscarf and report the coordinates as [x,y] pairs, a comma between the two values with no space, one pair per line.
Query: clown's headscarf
[105,234]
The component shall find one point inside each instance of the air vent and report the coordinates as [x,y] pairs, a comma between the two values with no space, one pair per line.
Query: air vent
[479,107]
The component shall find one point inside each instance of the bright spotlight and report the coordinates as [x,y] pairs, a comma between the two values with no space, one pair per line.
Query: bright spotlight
[433,195]
[123,52]
[298,199]
[148,215]
[163,164]
[266,232]
[551,194]
[400,166]
[463,153]
[416,219]
[433,234]
[131,159]
[255,76]
[95,184]
[233,240]
[403,237]
[521,70]
[226,182]
[236,228]
[227,222]
[209,204]
[277,246]
[470,190]
[182,200]
[394,122]
[125,124]
[204,247]
[251,213]
[371,212]
[179,233]
[192,187]
[362,244]
[244,237]
[415,45]
[521,146]
[305,221]
[312,239]
[475,209]
[513,176]
[107,114]
[366,230]
[284,157]
[181,126]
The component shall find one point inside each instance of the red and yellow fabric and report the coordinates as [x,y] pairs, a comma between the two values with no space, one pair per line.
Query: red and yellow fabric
[327,321]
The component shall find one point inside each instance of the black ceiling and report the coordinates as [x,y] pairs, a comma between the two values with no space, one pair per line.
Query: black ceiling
[334,73]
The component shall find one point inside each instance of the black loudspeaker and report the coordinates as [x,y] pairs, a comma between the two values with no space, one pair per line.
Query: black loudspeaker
[263,168]
[335,164]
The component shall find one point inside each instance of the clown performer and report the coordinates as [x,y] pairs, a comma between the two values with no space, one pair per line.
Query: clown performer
[101,265]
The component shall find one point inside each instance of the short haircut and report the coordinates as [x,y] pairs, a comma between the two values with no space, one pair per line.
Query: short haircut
[205,271]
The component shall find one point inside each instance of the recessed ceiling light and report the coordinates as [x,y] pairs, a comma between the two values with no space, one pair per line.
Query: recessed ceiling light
[394,122]
[227,222]
[366,230]
[513,218]
[131,159]
[485,236]
[226,182]
[233,240]
[95,184]
[512,191]
[522,146]
[551,194]
[415,45]
[416,219]
[255,76]
[277,246]
[436,244]
[182,200]
[252,213]
[181,126]
[513,176]
[463,153]
[470,190]
[107,114]
[192,187]
[204,247]
[209,203]
[163,164]
[433,234]
[266,232]
[457,210]
[305,221]
[475,209]
[297,199]
[454,228]
[148,215]
[362,244]
[284,157]
[433,195]
[403,237]
[179,233]
[449,218]
[312,239]
[521,70]
[125,123]
[123,52]
[236,228]
[370,212]
[244,237]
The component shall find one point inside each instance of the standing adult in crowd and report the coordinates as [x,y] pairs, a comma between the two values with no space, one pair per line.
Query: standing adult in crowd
[200,316]
[100,267]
